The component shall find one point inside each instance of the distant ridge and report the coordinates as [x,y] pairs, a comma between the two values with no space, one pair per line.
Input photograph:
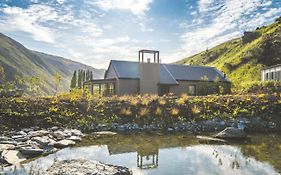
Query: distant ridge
[16,60]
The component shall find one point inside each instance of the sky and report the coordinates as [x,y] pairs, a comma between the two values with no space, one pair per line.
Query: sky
[94,32]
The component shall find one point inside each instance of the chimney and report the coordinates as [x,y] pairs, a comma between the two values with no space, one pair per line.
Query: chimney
[149,72]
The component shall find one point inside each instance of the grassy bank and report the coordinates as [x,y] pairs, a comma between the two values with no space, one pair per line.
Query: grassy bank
[73,110]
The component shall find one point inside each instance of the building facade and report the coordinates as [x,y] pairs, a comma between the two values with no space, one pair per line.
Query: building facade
[128,78]
[271,73]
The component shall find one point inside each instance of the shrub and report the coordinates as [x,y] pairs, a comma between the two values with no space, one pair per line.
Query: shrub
[259,87]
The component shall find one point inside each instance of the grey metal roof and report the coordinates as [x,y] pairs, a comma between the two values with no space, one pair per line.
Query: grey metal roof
[169,73]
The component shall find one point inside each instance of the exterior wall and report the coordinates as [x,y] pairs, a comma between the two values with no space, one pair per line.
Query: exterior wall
[273,73]
[202,87]
[110,73]
[127,86]
[149,78]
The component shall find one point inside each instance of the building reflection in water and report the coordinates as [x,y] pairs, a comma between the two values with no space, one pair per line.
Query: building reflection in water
[147,160]
[147,154]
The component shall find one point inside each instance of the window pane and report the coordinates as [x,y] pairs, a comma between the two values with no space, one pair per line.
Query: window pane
[191,89]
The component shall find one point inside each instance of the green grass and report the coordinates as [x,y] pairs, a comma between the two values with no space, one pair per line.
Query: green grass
[243,62]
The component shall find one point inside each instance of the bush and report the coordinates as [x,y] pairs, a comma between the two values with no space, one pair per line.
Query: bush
[259,87]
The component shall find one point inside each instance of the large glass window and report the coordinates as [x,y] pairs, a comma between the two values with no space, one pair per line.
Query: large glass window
[191,90]
[111,90]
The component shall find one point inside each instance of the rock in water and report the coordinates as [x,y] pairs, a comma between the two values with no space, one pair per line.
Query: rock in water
[12,157]
[31,152]
[85,167]
[206,139]
[64,143]
[108,133]
[231,133]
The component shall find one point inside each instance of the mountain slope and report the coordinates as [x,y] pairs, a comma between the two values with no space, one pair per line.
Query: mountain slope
[18,61]
[242,59]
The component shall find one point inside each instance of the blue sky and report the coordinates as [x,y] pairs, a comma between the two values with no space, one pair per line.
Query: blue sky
[96,31]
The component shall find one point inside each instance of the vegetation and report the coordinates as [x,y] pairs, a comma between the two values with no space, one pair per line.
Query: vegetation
[19,63]
[76,110]
[79,78]
[242,59]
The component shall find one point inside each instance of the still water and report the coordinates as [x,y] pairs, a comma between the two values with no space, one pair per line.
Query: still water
[176,154]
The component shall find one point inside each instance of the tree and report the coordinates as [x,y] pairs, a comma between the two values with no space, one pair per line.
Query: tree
[91,76]
[79,82]
[57,82]
[83,76]
[73,83]
[34,85]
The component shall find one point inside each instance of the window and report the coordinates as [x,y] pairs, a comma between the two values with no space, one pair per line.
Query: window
[278,76]
[266,76]
[191,90]
[111,90]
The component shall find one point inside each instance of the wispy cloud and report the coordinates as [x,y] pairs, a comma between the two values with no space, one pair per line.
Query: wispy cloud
[28,20]
[137,7]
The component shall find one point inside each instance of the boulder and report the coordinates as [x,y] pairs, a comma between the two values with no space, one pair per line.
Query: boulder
[12,157]
[85,167]
[30,152]
[206,139]
[109,133]
[76,132]
[42,141]
[59,135]
[231,133]
[6,147]
[38,133]
[8,142]
[64,143]
[75,138]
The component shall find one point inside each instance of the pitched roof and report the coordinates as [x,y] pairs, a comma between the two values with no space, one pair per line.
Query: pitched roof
[169,73]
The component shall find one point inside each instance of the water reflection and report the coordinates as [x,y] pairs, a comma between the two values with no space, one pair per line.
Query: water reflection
[163,155]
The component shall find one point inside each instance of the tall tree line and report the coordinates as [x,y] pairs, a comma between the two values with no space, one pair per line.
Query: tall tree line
[79,77]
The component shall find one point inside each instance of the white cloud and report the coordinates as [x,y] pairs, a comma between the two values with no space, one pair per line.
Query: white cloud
[137,7]
[28,20]
[60,1]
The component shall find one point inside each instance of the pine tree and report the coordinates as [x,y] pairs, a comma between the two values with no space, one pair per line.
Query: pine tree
[91,75]
[87,75]
[83,76]
[73,83]
[80,78]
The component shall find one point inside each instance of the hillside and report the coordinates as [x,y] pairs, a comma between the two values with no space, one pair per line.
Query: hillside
[242,59]
[18,61]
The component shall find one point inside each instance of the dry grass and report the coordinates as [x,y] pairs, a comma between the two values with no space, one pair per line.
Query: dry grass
[195,109]
[158,111]
[144,112]
[175,111]
[126,111]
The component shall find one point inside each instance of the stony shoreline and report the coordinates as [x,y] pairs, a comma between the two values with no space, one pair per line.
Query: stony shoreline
[17,146]
[255,124]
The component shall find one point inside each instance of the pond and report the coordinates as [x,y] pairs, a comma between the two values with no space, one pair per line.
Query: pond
[174,154]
